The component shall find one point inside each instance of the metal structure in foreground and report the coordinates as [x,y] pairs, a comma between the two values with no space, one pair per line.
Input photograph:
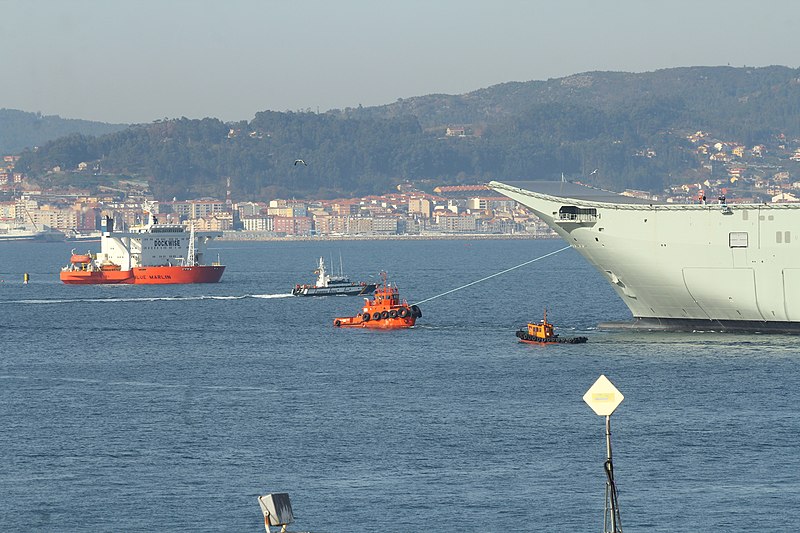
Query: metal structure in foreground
[277,510]
[603,397]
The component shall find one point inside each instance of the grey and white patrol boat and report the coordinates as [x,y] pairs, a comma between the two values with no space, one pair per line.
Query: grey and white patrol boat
[333,285]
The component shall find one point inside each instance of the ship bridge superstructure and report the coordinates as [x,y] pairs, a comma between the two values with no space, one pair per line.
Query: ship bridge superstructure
[153,244]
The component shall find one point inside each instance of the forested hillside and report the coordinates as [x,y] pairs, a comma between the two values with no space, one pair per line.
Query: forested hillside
[740,102]
[533,130]
[20,130]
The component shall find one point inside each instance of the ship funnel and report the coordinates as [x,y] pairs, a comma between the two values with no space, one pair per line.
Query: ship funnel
[107,225]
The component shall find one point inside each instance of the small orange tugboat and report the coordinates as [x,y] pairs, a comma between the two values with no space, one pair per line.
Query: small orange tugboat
[542,333]
[384,311]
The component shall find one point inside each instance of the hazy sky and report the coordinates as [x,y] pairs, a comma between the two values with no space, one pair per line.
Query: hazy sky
[141,60]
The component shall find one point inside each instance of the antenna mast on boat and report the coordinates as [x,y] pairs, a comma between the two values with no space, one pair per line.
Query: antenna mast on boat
[35,227]
[190,259]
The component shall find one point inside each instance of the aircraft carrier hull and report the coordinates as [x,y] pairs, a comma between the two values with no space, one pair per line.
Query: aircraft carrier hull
[681,267]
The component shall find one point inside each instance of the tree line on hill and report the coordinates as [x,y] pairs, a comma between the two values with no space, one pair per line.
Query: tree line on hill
[21,129]
[534,130]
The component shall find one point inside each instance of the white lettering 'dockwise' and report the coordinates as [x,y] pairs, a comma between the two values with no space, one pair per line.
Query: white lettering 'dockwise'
[166,243]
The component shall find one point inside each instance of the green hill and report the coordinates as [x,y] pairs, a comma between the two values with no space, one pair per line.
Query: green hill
[632,127]
[20,130]
[719,95]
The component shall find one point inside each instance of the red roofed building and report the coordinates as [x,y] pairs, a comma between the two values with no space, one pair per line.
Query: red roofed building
[292,225]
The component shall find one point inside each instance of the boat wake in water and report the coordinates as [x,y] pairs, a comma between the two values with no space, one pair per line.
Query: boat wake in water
[144,299]
[153,384]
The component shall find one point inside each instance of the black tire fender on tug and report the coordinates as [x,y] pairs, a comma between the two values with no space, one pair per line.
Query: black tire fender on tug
[403,312]
[385,314]
[416,310]
[337,323]
[392,314]
[376,315]
[365,317]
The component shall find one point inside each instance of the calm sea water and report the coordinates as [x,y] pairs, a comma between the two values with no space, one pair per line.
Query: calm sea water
[171,408]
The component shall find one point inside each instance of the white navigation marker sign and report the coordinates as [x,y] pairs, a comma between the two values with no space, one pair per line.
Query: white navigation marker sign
[603,397]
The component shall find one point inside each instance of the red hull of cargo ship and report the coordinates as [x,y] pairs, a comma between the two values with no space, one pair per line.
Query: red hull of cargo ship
[177,274]
[146,275]
[96,277]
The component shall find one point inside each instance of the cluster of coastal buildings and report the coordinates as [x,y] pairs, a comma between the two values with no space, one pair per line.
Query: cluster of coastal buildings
[737,172]
[457,210]
[466,209]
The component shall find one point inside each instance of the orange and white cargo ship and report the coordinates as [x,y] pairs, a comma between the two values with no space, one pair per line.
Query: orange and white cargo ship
[152,253]
[384,311]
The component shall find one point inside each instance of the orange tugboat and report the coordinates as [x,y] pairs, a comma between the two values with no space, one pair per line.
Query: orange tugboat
[384,311]
[542,333]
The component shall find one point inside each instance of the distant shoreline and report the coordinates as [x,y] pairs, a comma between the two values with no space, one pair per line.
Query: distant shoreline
[251,236]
